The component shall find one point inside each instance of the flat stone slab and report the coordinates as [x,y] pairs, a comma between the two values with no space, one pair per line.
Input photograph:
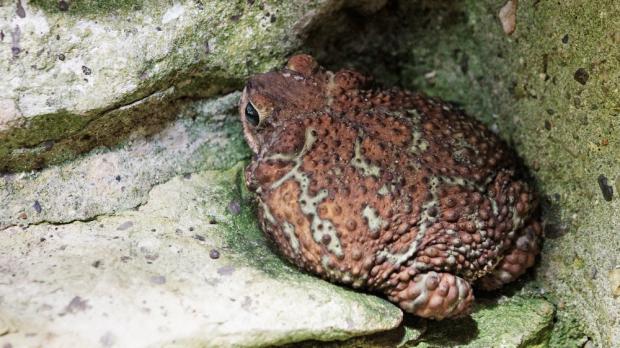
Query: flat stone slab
[206,134]
[515,322]
[187,268]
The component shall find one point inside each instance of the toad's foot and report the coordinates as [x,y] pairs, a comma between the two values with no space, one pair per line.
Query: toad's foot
[434,295]
[517,261]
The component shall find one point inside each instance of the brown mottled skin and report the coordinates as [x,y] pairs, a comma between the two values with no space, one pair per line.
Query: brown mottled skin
[385,190]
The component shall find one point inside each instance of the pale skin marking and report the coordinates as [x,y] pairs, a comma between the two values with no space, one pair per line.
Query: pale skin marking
[360,163]
[289,230]
[418,143]
[267,212]
[375,223]
[309,204]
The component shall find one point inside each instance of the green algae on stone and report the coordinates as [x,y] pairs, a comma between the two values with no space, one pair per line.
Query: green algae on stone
[205,135]
[518,321]
[514,322]
[90,7]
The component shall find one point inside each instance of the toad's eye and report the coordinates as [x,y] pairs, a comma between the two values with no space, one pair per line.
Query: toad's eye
[251,114]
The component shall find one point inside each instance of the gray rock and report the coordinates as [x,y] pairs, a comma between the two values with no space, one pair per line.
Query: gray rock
[206,134]
[151,284]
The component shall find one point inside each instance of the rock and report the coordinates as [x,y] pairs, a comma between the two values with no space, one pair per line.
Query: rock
[513,322]
[156,285]
[519,321]
[205,135]
[76,75]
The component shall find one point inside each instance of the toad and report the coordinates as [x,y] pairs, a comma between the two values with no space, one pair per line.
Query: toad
[385,190]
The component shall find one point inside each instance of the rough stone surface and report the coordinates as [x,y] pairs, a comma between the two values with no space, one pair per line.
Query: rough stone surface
[88,73]
[206,135]
[145,278]
[496,322]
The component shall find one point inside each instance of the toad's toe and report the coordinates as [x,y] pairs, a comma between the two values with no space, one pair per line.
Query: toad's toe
[435,295]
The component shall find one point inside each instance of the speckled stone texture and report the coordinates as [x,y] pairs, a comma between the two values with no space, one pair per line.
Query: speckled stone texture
[386,190]
[169,276]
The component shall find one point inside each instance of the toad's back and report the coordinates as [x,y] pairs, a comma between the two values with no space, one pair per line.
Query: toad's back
[388,190]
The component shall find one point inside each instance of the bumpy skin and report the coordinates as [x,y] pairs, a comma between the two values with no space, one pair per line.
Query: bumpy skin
[385,190]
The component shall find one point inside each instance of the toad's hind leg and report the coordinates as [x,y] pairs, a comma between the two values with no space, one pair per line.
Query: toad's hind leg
[518,259]
[434,295]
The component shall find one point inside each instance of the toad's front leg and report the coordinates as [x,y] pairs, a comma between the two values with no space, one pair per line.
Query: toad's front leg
[434,295]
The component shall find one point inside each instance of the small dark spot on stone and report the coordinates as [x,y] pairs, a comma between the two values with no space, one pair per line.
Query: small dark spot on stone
[158,28]
[1,35]
[77,304]
[153,230]
[57,37]
[63,5]
[42,240]
[234,207]
[86,70]
[187,176]
[48,145]
[226,270]
[581,76]
[97,263]
[117,178]
[235,18]
[158,279]
[61,57]
[565,39]
[191,229]
[125,225]
[272,19]
[214,254]
[207,47]
[606,189]
[21,13]
[199,237]
[37,207]
[107,340]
